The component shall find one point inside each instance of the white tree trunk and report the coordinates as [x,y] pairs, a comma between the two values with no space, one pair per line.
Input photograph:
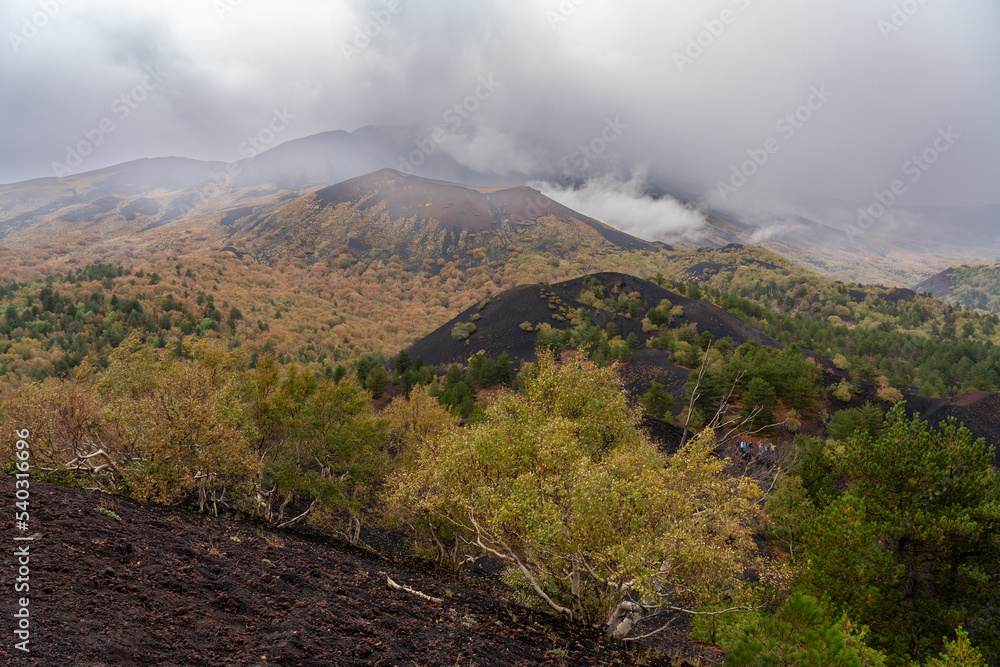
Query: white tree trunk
[625,617]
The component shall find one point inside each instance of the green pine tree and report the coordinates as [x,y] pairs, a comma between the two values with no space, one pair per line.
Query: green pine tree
[798,634]
[759,394]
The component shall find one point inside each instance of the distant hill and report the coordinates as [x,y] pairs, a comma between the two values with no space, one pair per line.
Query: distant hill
[939,284]
[388,214]
[508,322]
[166,205]
[973,286]
[122,198]
[149,204]
[332,157]
[499,328]
[905,245]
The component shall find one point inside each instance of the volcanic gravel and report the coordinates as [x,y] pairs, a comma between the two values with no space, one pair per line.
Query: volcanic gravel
[115,582]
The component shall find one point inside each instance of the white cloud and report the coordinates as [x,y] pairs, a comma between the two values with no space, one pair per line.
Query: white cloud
[605,60]
[624,205]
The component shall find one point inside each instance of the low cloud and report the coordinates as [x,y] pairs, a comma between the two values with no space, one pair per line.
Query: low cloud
[779,229]
[530,86]
[624,204]
[489,150]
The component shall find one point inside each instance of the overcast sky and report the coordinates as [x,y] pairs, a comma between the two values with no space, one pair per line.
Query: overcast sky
[687,89]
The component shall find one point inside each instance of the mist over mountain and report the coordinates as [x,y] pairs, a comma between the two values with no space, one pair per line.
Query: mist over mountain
[898,245]
[693,90]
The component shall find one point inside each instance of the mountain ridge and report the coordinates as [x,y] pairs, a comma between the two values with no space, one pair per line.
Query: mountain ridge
[197,193]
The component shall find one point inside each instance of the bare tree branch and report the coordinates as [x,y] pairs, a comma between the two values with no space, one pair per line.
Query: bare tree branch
[694,394]
[299,517]
[412,591]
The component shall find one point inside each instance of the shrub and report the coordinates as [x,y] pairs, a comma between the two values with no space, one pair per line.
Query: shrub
[843,391]
[462,330]
[890,395]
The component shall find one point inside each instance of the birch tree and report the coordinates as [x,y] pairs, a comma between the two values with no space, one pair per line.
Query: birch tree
[559,483]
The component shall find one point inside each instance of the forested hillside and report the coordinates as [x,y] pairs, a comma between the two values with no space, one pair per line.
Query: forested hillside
[973,286]
[329,394]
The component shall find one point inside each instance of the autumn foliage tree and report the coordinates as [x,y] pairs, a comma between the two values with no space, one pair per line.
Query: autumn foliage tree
[418,426]
[318,443]
[558,482]
[184,418]
[70,444]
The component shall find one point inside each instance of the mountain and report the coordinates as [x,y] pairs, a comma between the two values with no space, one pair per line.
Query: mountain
[296,166]
[42,207]
[111,208]
[905,246]
[388,214]
[375,217]
[332,157]
[99,213]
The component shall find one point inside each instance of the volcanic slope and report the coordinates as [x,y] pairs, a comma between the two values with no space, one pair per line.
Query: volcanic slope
[387,214]
[80,210]
[116,582]
[508,322]
[972,285]
[185,207]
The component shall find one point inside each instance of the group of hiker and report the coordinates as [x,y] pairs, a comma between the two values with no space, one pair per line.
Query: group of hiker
[754,448]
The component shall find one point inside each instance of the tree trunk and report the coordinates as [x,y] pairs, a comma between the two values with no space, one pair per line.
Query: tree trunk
[625,617]
[574,589]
